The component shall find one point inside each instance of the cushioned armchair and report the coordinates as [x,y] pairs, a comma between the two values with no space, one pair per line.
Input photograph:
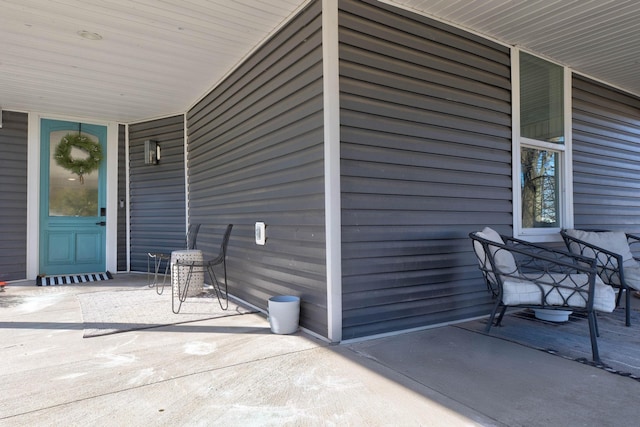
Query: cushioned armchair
[523,274]
[616,264]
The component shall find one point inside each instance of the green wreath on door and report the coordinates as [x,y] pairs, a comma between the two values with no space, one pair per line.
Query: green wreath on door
[79,167]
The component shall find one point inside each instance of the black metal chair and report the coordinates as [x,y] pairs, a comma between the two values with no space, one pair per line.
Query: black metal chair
[208,266]
[526,275]
[617,267]
[160,258]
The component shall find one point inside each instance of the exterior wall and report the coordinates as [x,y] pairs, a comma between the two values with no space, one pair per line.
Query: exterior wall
[256,154]
[157,192]
[122,196]
[606,157]
[13,196]
[426,158]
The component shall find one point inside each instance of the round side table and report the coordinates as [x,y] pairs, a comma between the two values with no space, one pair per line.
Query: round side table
[180,269]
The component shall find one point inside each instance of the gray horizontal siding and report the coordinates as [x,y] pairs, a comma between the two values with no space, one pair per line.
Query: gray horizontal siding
[122,197]
[157,192]
[13,196]
[426,158]
[606,157]
[256,154]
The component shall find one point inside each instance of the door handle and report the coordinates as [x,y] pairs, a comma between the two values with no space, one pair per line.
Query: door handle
[102,223]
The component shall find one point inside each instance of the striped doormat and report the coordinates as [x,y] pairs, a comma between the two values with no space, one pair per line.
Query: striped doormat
[70,279]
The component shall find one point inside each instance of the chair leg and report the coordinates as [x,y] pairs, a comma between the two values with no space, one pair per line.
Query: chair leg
[217,288]
[157,264]
[149,283]
[493,315]
[181,293]
[619,297]
[627,307]
[153,273]
[175,291]
[592,333]
[160,289]
[226,289]
[499,321]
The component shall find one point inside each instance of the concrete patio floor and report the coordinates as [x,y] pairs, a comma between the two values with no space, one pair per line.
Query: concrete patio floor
[233,371]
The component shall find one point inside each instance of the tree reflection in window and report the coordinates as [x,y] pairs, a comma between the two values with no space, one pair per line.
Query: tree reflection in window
[539,185]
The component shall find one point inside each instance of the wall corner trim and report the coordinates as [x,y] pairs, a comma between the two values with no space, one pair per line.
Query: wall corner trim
[331,98]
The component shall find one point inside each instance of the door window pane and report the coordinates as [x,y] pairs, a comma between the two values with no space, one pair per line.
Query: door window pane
[541,99]
[69,195]
[539,187]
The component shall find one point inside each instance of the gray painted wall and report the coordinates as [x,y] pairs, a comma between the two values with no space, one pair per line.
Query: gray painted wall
[426,158]
[256,154]
[606,157]
[13,196]
[157,192]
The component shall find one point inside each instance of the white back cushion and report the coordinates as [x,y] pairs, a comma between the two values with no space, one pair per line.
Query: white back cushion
[504,261]
[614,241]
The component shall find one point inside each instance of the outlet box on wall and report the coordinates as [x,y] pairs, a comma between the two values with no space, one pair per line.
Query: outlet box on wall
[261,236]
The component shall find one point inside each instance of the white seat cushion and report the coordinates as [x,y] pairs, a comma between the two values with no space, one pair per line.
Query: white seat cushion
[523,292]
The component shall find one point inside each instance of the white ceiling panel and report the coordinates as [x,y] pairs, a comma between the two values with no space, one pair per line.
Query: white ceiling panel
[599,38]
[158,57]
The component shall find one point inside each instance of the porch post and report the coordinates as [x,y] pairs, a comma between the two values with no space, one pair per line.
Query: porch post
[331,95]
[33,192]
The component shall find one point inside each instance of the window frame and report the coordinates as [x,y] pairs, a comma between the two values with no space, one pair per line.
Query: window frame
[550,234]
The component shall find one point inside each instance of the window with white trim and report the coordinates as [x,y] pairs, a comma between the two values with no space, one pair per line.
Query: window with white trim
[541,147]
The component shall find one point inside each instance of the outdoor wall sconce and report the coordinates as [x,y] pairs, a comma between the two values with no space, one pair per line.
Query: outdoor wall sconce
[151,152]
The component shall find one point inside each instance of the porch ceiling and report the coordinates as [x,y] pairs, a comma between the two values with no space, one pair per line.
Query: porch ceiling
[599,38]
[157,57]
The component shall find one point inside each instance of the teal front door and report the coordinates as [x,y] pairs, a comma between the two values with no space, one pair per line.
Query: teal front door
[72,197]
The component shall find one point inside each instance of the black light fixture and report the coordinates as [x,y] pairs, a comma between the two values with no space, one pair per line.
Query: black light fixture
[151,152]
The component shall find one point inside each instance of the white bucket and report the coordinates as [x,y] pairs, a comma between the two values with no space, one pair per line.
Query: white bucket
[284,313]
